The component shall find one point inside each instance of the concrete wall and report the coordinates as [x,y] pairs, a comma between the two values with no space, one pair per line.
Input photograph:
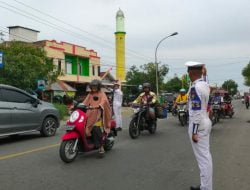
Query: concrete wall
[22,34]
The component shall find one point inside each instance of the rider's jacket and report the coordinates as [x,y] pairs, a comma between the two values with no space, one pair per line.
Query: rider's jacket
[146,98]
[198,103]
[217,99]
[181,98]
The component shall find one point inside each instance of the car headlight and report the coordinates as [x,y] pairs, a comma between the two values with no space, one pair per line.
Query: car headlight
[74,116]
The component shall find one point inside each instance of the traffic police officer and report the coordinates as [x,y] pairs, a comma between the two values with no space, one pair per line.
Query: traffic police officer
[200,124]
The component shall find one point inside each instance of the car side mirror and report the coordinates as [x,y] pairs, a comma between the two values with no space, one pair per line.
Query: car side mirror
[35,102]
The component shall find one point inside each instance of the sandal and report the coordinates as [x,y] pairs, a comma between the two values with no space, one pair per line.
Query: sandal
[101,153]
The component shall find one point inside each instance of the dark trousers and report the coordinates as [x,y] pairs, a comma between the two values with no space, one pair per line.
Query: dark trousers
[97,136]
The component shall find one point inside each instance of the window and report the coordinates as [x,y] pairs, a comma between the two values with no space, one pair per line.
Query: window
[93,70]
[59,65]
[80,69]
[68,68]
[99,70]
[15,96]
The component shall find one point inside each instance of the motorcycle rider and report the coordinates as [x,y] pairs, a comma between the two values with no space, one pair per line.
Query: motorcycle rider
[147,97]
[217,98]
[182,97]
[227,100]
[99,113]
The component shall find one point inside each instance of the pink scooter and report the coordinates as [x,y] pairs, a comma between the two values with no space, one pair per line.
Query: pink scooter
[75,139]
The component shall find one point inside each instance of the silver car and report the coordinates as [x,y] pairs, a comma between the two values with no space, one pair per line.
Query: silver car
[20,112]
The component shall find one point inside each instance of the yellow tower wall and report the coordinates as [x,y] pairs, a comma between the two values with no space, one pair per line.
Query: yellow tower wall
[120,56]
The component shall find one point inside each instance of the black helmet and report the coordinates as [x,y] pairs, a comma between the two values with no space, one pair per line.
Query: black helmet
[95,83]
[146,85]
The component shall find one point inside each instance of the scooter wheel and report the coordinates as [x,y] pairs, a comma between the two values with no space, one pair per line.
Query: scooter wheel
[67,154]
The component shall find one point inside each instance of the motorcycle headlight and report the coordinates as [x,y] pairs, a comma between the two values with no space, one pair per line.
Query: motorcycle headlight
[74,116]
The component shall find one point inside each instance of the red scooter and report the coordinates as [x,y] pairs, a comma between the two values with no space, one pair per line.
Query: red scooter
[75,139]
[227,109]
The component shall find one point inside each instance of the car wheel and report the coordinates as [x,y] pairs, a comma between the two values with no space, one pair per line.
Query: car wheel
[49,127]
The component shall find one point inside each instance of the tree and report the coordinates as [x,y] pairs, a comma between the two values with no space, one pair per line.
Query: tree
[175,84]
[246,74]
[231,86]
[146,73]
[25,64]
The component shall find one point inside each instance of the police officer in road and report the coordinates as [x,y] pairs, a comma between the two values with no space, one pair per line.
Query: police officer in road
[200,124]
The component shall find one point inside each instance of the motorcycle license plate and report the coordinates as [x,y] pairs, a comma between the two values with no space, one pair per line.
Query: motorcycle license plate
[181,114]
[216,107]
[69,127]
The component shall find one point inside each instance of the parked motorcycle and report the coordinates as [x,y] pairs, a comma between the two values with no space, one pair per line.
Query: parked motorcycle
[227,109]
[141,121]
[75,139]
[216,110]
[182,113]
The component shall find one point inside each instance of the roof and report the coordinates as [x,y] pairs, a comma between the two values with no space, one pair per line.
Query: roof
[11,27]
[108,76]
[8,86]
[13,88]
[60,86]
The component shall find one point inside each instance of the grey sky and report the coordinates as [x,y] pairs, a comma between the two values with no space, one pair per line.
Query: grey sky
[215,32]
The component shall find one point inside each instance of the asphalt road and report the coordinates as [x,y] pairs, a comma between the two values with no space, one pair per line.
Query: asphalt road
[163,161]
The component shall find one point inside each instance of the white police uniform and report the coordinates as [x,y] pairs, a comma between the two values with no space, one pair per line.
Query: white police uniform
[199,123]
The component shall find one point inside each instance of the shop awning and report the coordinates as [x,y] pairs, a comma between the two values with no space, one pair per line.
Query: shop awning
[60,86]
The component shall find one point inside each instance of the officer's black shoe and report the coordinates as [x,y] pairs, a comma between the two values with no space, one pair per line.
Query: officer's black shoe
[195,188]
[119,129]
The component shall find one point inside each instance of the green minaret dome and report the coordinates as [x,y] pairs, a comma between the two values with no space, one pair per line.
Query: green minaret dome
[119,13]
[120,21]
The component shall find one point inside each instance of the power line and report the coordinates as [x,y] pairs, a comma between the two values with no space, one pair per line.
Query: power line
[132,52]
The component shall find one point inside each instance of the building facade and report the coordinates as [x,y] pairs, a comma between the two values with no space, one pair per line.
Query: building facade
[76,64]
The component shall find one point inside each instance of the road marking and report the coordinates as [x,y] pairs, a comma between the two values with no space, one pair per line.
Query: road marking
[5,157]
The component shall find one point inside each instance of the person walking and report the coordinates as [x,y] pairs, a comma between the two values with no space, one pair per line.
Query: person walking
[117,105]
[200,124]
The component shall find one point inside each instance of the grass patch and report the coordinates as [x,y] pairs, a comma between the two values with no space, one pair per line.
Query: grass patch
[63,111]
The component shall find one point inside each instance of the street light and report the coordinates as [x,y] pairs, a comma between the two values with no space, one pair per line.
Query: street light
[156,64]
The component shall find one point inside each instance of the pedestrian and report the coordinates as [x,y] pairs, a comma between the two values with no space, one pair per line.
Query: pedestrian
[200,124]
[117,105]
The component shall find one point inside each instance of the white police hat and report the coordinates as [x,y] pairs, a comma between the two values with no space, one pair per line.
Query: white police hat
[194,64]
